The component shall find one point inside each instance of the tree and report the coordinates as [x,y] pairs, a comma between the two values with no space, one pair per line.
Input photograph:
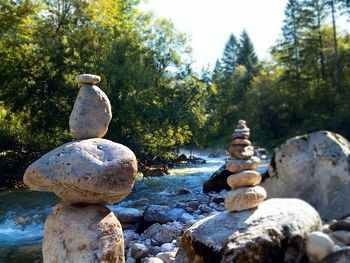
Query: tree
[246,57]
[229,58]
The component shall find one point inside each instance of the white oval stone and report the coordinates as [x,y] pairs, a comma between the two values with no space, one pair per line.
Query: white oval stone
[318,246]
[234,165]
[244,178]
[244,198]
[88,79]
[91,113]
[82,234]
[90,171]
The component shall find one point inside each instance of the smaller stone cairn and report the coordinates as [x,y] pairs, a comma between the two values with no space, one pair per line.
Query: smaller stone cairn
[245,193]
[86,174]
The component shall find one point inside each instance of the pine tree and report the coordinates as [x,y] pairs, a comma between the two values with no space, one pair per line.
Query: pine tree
[247,56]
[290,51]
[229,59]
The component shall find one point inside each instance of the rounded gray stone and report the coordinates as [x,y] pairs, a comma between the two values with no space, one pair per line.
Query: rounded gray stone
[90,171]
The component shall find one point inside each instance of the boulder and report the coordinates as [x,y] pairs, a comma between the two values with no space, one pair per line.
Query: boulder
[244,178]
[315,168]
[234,165]
[91,113]
[88,171]
[218,181]
[274,232]
[82,234]
[244,198]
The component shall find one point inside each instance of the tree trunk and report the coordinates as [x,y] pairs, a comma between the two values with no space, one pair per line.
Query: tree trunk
[335,43]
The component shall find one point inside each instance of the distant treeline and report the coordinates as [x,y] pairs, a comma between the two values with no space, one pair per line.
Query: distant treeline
[159,103]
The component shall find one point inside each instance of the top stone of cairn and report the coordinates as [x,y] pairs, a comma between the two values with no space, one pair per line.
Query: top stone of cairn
[242,131]
[88,79]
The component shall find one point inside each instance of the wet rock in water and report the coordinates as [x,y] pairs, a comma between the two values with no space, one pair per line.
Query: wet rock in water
[90,171]
[244,178]
[313,167]
[218,181]
[318,246]
[92,112]
[244,198]
[339,256]
[274,232]
[139,251]
[82,234]
[183,191]
[128,215]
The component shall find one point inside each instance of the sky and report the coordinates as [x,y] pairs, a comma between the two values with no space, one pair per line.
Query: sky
[210,23]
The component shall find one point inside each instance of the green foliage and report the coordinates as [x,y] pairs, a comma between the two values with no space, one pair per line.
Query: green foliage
[157,101]
[304,88]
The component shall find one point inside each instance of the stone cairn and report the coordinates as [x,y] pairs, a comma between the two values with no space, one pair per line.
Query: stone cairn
[86,174]
[245,193]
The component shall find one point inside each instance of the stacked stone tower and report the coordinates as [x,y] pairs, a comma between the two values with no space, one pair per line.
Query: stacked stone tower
[245,193]
[86,174]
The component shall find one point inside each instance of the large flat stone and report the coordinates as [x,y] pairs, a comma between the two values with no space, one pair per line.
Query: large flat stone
[274,232]
[90,171]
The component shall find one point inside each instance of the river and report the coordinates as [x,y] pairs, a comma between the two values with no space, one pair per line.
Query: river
[23,212]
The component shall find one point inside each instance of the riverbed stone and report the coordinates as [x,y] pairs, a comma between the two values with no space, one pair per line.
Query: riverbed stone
[88,79]
[314,167]
[139,251]
[91,113]
[87,171]
[128,215]
[244,178]
[274,232]
[244,198]
[318,246]
[234,165]
[87,234]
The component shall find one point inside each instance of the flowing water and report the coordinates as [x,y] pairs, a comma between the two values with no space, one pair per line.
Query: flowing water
[23,212]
